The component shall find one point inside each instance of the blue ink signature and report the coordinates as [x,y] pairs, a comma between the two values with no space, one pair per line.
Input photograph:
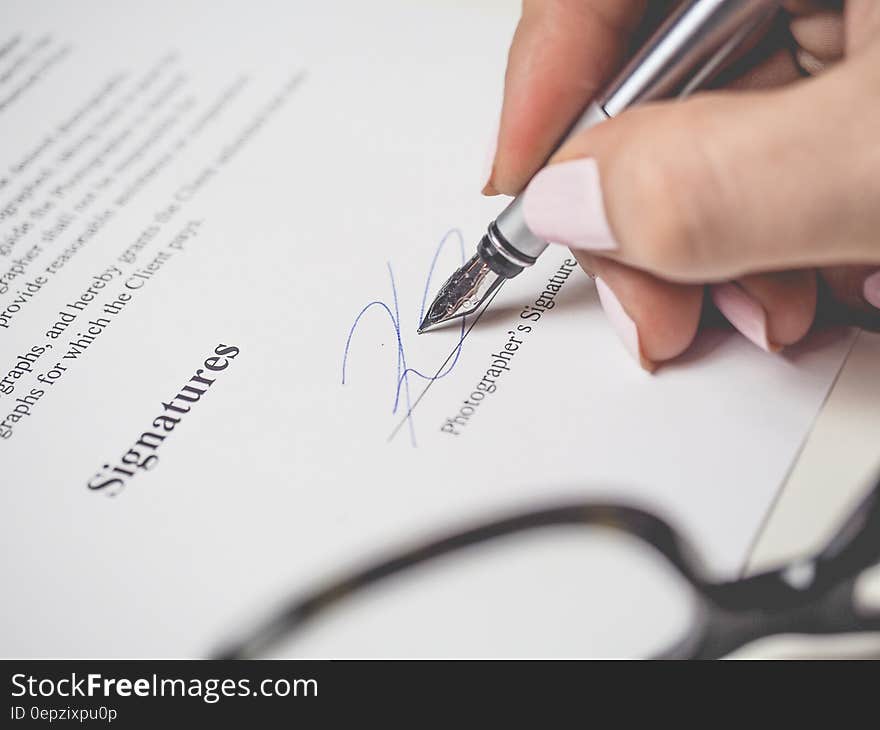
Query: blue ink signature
[404,372]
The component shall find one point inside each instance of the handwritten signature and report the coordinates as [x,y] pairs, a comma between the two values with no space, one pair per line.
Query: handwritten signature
[405,373]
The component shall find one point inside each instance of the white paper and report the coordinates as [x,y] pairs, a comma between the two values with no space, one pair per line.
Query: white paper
[286,161]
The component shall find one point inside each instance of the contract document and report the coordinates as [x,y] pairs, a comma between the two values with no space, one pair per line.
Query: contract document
[220,225]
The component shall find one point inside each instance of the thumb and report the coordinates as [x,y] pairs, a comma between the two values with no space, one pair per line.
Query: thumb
[725,183]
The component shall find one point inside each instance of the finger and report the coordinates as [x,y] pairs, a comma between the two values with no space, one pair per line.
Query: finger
[821,35]
[724,184]
[855,291]
[655,320]
[562,52]
[862,24]
[772,310]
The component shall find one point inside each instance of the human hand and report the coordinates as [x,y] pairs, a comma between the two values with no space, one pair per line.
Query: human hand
[757,196]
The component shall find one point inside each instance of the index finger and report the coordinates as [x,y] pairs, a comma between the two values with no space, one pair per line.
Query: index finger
[561,54]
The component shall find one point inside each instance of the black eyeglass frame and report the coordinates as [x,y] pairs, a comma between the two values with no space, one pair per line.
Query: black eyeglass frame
[812,595]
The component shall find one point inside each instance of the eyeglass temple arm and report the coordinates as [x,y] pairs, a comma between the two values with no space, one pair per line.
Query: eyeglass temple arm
[719,632]
[300,610]
[853,548]
[813,596]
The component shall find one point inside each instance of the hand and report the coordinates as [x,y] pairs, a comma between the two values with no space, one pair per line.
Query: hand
[759,196]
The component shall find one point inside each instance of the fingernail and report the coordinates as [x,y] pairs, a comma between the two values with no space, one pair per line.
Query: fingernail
[745,313]
[563,203]
[871,289]
[624,326]
[489,162]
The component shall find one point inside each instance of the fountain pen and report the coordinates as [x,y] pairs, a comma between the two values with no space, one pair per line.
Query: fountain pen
[682,55]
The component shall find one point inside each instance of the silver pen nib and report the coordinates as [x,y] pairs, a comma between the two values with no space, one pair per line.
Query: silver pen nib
[463,293]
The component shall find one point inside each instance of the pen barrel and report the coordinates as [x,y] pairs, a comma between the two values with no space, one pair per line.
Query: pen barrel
[686,50]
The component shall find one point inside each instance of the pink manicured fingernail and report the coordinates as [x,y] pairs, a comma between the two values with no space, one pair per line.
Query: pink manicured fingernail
[563,203]
[744,312]
[489,162]
[624,326]
[871,289]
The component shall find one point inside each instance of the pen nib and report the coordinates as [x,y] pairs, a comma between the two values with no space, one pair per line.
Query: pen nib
[462,294]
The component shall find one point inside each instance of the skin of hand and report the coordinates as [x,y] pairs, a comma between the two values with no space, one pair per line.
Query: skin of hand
[759,200]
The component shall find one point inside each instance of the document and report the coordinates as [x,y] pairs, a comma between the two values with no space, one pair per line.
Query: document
[220,225]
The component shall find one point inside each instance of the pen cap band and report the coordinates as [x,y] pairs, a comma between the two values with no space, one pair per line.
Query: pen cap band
[499,260]
[698,37]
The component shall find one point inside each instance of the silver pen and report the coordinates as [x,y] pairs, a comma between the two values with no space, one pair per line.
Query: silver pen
[683,54]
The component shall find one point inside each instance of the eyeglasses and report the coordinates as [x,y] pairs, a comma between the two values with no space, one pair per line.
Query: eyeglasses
[813,595]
